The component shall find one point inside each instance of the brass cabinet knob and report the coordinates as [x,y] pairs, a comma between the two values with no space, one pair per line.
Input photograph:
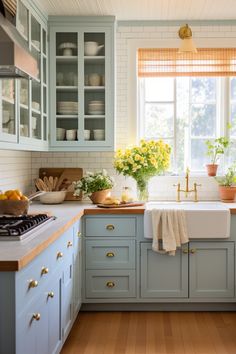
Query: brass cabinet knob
[110,284]
[110,254]
[110,227]
[51,294]
[33,284]
[185,251]
[44,270]
[36,316]
[59,255]
[78,233]
[193,250]
[69,244]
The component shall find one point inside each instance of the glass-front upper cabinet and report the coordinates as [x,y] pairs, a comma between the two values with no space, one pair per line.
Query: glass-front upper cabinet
[82,83]
[33,106]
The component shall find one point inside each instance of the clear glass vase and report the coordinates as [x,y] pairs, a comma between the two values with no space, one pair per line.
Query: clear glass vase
[142,189]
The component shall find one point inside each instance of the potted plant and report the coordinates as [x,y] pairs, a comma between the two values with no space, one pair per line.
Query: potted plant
[215,148]
[142,162]
[227,185]
[96,185]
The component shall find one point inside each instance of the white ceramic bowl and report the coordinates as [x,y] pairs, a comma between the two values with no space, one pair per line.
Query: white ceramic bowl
[99,134]
[56,197]
[86,134]
[71,134]
[61,132]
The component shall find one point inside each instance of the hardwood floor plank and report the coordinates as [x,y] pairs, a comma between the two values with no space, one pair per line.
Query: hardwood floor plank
[152,333]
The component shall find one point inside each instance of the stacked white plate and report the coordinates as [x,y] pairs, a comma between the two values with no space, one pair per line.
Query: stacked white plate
[67,107]
[96,107]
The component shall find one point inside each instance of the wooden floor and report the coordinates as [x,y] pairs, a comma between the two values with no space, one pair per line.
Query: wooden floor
[153,333]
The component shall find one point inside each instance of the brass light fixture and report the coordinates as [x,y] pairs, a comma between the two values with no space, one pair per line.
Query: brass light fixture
[187,44]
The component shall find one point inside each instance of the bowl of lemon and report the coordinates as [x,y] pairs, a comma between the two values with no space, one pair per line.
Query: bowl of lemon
[13,202]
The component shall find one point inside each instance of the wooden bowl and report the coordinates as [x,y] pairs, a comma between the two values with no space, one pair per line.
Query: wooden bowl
[14,207]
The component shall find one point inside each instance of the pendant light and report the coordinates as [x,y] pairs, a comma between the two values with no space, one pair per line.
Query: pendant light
[187,44]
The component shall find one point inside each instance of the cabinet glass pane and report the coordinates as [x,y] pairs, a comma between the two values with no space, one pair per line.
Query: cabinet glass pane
[45,128]
[94,86]
[45,100]
[36,126]
[44,71]
[35,34]
[23,20]
[24,107]
[67,105]
[8,107]
[36,55]
[44,42]
[36,96]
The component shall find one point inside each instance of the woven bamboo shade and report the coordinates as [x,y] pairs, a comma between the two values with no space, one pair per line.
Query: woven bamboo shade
[168,62]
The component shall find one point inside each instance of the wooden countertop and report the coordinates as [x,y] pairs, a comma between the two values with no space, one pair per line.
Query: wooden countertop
[15,255]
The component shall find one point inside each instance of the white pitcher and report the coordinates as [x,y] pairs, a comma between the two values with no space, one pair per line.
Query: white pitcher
[92,48]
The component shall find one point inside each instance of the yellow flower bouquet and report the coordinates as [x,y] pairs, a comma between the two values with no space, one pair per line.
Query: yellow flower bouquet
[142,162]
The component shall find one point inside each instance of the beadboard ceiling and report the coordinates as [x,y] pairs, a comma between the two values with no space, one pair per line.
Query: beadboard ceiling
[143,9]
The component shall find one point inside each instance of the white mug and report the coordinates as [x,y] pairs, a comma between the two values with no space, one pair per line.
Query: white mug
[71,134]
[94,79]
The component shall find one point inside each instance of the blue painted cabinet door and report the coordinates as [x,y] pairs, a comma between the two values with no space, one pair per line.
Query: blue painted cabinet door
[67,297]
[54,314]
[211,269]
[32,337]
[77,265]
[163,275]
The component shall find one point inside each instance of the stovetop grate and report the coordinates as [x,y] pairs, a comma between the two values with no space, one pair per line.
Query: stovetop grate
[19,225]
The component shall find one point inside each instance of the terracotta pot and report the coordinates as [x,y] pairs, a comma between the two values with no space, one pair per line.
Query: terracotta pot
[211,169]
[99,196]
[227,194]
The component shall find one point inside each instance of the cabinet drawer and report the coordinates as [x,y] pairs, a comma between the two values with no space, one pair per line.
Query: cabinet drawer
[110,284]
[110,255]
[116,226]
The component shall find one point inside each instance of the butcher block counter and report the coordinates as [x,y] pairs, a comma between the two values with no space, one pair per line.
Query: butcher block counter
[14,255]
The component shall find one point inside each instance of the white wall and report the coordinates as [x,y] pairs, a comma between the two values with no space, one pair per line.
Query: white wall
[162,187]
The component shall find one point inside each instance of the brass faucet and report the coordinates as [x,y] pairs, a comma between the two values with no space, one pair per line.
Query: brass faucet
[187,190]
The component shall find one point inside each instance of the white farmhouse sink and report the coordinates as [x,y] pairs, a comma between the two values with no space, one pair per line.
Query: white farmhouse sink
[204,219]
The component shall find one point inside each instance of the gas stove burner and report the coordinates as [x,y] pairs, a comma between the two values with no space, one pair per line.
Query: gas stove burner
[18,227]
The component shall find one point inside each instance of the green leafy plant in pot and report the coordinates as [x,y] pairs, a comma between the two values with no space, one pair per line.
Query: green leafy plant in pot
[227,185]
[96,185]
[215,148]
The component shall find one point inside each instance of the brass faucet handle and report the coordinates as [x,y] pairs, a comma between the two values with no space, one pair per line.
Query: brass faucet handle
[187,171]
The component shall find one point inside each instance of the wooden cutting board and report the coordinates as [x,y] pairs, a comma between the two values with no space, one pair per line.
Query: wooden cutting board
[124,205]
[69,174]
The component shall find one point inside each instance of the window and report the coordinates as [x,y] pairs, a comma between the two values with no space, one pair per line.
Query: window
[185,112]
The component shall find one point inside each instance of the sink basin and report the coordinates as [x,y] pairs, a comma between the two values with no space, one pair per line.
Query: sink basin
[204,219]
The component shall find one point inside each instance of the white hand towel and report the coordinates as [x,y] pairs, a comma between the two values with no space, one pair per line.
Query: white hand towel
[169,230]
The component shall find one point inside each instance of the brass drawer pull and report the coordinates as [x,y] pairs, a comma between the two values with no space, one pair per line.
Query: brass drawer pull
[36,316]
[69,244]
[51,294]
[110,227]
[110,254]
[185,251]
[79,234]
[59,255]
[110,284]
[193,250]
[33,284]
[44,270]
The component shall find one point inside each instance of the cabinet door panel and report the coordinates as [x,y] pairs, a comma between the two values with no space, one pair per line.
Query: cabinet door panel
[77,272]
[163,275]
[212,269]
[67,302]
[54,315]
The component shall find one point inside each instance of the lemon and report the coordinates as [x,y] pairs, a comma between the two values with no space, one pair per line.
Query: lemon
[3,197]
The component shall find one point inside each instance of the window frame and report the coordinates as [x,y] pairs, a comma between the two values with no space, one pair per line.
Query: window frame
[133,46]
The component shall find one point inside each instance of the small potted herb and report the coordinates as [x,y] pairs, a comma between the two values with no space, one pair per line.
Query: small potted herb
[227,185]
[96,185]
[215,148]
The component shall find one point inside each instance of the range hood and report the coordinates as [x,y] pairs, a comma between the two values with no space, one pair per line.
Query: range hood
[16,61]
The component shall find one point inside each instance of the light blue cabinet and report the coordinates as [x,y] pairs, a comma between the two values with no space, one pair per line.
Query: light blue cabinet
[211,269]
[41,301]
[24,103]
[163,275]
[77,263]
[82,83]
